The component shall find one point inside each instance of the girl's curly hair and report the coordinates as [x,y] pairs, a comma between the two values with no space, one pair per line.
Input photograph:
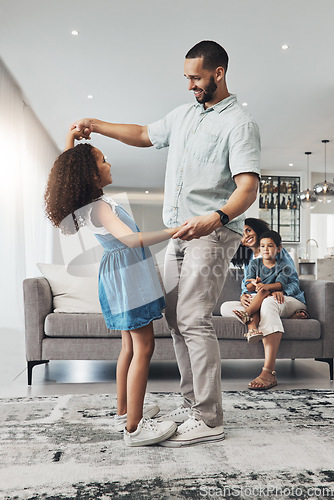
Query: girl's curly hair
[72,184]
[243,254]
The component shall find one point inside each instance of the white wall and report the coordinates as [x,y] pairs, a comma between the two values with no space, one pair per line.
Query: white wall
[26,152]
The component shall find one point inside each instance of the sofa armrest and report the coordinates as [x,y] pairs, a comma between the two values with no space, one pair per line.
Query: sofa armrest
[38,304]
[319,296]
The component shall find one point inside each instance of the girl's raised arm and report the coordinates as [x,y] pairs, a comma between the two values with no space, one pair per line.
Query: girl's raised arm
[72,135]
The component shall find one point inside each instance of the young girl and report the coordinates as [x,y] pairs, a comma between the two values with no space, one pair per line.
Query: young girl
[129,289]
[266,276]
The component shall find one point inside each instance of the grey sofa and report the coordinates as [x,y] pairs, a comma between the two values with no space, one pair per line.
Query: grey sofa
[61,336]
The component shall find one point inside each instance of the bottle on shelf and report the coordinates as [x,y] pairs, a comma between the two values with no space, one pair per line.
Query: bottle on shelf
[294,203]
[288,205]
[276,202]
[261,204]
[266,203]
[283,203]
[283,187]
[294,187]
[272,203]
[289,188]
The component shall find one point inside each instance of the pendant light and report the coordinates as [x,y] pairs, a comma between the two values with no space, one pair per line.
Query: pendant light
[307,198]
[324,190]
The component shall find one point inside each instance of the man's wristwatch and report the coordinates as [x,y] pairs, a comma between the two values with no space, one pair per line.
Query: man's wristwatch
[224,218]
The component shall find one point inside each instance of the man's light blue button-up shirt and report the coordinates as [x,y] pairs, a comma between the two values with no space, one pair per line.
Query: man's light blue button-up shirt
[207,148]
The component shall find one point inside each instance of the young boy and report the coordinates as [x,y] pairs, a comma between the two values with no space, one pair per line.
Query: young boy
[265,276]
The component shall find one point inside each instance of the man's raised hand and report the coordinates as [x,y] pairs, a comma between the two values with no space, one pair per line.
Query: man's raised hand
[84,126]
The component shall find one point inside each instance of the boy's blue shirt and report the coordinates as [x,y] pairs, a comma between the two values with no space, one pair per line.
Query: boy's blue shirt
[284,271]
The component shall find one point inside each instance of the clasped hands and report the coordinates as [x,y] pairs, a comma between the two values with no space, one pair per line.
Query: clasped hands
[82,129]
[257,282]
[194,228]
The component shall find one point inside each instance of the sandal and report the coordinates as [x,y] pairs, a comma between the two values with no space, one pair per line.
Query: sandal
[243,316]
[253,335]
[300,314]
[266,383]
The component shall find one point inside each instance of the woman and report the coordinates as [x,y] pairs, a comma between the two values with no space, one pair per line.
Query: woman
[273,307]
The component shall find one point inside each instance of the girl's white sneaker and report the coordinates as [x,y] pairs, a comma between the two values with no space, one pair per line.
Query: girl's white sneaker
[119,422]
[179,415]
[149,432]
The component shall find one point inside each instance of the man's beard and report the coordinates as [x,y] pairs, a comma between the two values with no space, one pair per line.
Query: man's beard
[208,92]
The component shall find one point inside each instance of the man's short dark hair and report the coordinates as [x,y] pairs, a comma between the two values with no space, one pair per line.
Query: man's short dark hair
[213,54]
[273,235]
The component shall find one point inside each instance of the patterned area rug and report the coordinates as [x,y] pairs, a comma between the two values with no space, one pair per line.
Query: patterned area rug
[278,444]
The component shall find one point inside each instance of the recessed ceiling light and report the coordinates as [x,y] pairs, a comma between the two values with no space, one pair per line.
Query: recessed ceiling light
[245,104]
[90,96]
[75,33]
[146,192]
[290,164]
[285,46]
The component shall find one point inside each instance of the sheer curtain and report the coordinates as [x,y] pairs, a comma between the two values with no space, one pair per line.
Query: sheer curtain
[26,155]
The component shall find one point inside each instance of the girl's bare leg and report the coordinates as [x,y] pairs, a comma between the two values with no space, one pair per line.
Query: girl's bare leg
[123,363]
[143,347]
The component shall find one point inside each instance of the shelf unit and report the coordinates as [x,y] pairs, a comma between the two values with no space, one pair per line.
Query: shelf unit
[279,205]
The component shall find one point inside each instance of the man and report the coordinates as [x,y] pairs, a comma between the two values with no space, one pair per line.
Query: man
[211,179]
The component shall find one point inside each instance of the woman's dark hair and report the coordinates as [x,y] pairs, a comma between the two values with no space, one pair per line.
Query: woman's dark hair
[213,54]
[72,184]
[273,235]
[258,225]
[244,254]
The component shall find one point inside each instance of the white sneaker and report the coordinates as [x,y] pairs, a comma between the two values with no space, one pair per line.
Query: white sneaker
[119,421]
[194,431]
[179,415]
[149,432]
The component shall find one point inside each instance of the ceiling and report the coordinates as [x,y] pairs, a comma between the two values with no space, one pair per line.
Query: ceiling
[129,56]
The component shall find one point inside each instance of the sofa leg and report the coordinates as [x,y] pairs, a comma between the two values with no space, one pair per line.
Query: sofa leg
[30,366]
[330,362]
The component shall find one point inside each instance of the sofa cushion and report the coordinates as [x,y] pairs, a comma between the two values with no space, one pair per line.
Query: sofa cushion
[228,328]
[93,326]
[302,329]
[73,293]
[294,329]
[89,326]
[76,325]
